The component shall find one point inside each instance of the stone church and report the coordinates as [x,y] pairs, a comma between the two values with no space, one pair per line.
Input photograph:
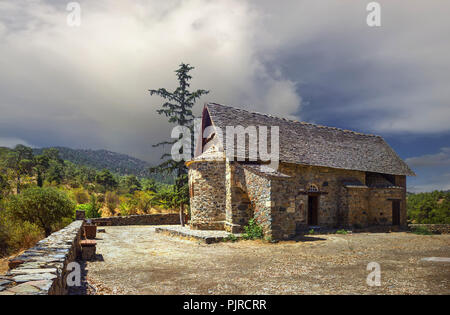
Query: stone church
[327,177]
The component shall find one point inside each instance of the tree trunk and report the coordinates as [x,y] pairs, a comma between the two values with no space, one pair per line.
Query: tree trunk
[18,184]
[182,214]
[39,179]
[48,231]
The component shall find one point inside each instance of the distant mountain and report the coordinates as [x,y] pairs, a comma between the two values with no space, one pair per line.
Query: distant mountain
[118,163]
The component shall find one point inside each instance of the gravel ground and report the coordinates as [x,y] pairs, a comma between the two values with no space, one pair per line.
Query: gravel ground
[136,260]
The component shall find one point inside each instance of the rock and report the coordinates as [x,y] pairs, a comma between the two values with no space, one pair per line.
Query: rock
[44,285]
[24,288]
[34,277]
[4,282]
[22,271]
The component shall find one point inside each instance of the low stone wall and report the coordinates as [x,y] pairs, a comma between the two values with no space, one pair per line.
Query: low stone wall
[41,270]
[146,219]
[433,228]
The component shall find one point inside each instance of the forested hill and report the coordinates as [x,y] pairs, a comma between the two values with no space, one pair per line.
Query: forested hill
[118,163]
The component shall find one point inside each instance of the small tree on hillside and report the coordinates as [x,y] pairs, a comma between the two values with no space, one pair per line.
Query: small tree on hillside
[131,184]
[55,170]
[21,161]
[178,110]
[42,206]
[106,179]
[4,185]
[41,165]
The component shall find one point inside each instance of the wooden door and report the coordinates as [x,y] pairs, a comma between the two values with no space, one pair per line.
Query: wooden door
[395,212]
[313,209]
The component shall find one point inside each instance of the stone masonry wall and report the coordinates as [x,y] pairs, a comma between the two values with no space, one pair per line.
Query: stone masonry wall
[380,205]
[358,210]
[258,189]
[145,219]
[288,208]
[41,270]
[242,197]
[208,197]
[227,194]
[328,181]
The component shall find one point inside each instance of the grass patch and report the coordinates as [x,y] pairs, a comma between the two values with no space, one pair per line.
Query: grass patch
[230,238]
[342,231]
[421,230]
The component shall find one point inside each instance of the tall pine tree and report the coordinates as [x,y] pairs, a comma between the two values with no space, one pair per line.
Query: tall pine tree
[178,110]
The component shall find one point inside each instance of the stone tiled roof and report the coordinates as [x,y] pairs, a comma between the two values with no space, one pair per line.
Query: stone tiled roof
[310,144]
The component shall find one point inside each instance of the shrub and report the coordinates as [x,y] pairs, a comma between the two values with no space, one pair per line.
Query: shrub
[112,201]
[253,231]
[15,235]
[342,231]
[93,211]
[421,230]
[230,238]
[23,235]
[81,196]
[311,231]
[86,207]
[41,206]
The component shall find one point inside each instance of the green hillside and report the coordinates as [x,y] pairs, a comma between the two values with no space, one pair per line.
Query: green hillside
[121,164]
[117,163]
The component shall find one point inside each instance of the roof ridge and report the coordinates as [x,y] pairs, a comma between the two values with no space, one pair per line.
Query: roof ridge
[300,122]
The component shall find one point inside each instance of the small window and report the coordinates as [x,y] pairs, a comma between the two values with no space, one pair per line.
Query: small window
[313,188]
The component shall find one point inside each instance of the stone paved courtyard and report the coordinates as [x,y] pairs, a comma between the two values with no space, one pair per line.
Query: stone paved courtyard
[136,260]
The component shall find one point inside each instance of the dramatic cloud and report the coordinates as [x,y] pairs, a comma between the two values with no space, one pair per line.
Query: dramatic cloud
[87,86]
[439,159]
[432,171]
[12,142]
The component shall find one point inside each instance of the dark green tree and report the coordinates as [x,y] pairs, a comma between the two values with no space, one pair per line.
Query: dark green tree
[149,184]
[178,110]
[41,165]
[132,184]
[21,161]
[55,170]
[4,186]
[43,206]
[106,179]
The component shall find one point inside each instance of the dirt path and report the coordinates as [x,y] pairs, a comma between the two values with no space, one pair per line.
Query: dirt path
[136,260]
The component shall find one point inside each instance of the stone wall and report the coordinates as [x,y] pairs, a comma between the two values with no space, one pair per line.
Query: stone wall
[357,211]
[208,194]
[434,228]
[247,196]
[380,203]
[145,219]
[288,208]
[259,192]
[41,270]
[328,181]
[228,194]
